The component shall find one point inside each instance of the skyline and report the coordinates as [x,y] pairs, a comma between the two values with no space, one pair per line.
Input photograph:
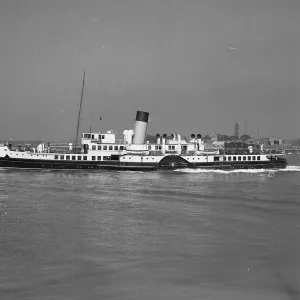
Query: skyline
[194,66]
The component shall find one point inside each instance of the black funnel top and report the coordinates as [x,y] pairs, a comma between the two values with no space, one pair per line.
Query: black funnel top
[142,116]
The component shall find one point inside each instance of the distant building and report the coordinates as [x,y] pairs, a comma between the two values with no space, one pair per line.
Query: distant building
[236,130]
[217,144]
[276,142]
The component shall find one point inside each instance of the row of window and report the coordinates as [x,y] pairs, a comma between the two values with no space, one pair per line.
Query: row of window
[88,136]
[105,147]
[239,158]
[216,158]
[80,157]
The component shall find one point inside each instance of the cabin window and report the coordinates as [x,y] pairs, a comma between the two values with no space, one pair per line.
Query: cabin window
[249,157]
[55,156]
[156,147]
[103,136]
[258,157]
[93,157]
[234,157]
[73,157]
[110,147]
[67,157]
[85,158]
[121,147]
[93,147]
[104,147]
[79,157]
[253,157]
[239,158]
[62,157]
[87,136]
[116,147]
[244,157]
[99,147]
[106,157]
[229,158]
[216,158]
[93,136]
[99,158]
[224,158]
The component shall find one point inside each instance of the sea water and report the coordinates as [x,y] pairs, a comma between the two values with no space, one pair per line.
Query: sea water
[191,234]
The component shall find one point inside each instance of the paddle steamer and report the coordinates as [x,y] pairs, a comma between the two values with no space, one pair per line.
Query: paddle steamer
[103,151]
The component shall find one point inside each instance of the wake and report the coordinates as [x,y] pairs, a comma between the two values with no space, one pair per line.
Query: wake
[247,171]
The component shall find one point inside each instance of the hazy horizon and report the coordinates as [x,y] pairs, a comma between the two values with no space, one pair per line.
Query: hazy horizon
[195,66]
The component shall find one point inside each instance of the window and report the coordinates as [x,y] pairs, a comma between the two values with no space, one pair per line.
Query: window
[121,147]
[103,136]
[110,147]
[244,157]
[93,157]
[67,157]
[85,158]
[156,147]
[229,158]
[253,157]
[104,147]
[106,157]
[99,158]
[224,158]
[116,147]
[93,136]
[62,157]
[73,157]
[99,147]
[239,158]
[249,157]
[93,147]
[234,157]
[79,157]
[258,157]
[216,158]
[55,156]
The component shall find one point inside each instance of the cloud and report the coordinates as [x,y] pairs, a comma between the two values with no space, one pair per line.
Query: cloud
[94,20]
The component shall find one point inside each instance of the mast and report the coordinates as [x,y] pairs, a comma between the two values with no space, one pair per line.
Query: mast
[79,113]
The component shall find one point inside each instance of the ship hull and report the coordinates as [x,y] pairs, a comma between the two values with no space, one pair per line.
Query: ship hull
[117,165]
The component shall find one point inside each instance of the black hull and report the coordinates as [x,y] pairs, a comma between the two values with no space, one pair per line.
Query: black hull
[116,165]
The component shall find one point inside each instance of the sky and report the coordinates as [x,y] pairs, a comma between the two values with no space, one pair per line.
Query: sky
[197,66]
